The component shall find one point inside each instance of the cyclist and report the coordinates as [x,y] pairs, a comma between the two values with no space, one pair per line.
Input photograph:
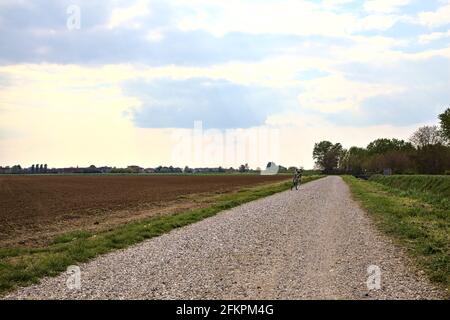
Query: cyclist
[296,180]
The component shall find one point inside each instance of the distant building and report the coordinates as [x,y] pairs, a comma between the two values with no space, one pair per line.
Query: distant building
[105,169]
[5,170]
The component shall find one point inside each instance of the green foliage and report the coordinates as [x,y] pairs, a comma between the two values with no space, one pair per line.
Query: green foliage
[382,146]
[417,221]
[328,155]
[445,124]
[427,153]
[399,156]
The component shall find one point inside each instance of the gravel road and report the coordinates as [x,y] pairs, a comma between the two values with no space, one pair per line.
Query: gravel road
[314,243]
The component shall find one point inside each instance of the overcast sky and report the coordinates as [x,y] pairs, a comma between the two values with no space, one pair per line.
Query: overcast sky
[127,86]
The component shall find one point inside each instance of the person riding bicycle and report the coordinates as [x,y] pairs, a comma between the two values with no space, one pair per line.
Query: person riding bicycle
[296,180]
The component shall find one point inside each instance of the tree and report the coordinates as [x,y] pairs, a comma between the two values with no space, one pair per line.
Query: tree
[244,168]
[16,169]
[327,155]
[445,124]
[398,161]
[381,146]
[187,170]
[320,151]
[427,136]
[342,158]
[32,168]
[433,159]
[354,160]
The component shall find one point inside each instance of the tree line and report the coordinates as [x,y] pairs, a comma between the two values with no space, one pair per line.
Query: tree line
[426,152]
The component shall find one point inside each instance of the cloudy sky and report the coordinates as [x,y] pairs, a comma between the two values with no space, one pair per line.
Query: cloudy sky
[123,82]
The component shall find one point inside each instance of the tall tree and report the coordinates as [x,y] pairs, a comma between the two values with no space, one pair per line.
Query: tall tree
[427,136]
[355,159]
[327,155]
[445,124]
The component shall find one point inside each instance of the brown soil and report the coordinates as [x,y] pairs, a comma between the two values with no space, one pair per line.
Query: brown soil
[34,209]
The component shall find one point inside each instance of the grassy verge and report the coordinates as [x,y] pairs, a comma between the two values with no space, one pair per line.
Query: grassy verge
[423,227]
[24,266]
[431,189]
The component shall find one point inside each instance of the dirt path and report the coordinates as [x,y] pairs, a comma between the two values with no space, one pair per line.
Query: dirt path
[311,243]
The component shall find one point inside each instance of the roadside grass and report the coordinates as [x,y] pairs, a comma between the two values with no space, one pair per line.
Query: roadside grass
[25,266]
[419,222]
[432,189]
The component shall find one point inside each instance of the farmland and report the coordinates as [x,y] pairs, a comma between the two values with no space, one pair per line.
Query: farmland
[28,262]
[34,209]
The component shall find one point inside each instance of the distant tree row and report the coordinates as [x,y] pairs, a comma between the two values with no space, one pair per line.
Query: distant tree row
[39,168]
[426,152]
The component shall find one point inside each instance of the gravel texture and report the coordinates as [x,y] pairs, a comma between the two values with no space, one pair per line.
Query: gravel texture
[314,243]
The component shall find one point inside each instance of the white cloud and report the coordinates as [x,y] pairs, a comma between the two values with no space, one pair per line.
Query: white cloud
[297,17]
[436,18]
[85,106]
[125,16]
[427,38]
[335,93]
[377,22]
[71,122]
[155,35]
[385,6]
[335,3]
[302,131]
[286,17]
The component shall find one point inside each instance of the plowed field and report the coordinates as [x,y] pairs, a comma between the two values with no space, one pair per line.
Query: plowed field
[33,207]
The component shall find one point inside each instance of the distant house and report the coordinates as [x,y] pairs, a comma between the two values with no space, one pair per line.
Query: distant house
[105,169]
[149,170]
[5,170]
